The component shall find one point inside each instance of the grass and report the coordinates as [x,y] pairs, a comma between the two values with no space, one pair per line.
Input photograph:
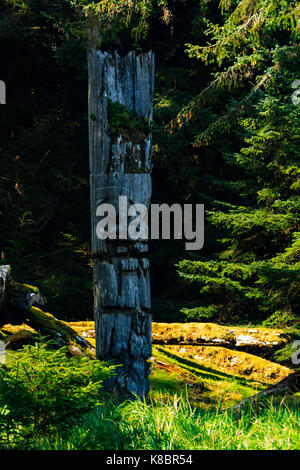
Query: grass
[209,384]
[173,424]
[206,391]
[192,389]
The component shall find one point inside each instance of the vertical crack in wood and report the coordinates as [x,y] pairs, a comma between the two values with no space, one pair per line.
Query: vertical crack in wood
[121,166]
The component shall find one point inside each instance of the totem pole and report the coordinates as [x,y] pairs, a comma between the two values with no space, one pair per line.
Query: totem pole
[120,166]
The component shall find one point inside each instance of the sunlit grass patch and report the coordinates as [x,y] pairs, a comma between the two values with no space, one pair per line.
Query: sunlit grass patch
[173,424]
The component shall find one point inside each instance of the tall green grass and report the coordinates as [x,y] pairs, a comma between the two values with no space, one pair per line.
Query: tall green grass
[174,424]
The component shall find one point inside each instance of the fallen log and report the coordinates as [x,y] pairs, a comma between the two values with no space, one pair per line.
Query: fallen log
[18,305]
[287,386]
[61,333]
[259,341]
[19,339]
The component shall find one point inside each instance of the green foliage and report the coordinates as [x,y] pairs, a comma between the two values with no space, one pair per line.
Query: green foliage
[42,388]
[258,271]
[122,120]
[201,313]
[223,90]
[173,424]
[105,20]
[242,48]
[92,22]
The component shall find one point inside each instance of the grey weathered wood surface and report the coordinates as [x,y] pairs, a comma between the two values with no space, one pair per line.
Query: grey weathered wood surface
[120,165]
[4,284]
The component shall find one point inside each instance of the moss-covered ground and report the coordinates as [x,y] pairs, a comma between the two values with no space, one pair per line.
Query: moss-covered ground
[208,374]
[188,361]
[192,386]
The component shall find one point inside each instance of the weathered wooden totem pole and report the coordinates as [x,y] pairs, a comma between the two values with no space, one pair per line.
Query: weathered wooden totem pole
[120,165]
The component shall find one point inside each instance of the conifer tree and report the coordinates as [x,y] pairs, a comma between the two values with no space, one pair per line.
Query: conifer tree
[257,274]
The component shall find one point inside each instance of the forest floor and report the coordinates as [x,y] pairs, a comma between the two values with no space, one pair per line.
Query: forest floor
[199,370]
[213,365]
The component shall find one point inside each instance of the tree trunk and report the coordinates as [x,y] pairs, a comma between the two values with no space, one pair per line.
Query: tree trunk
[120,165]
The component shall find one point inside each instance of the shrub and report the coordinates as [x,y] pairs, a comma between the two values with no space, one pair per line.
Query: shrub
[42,388]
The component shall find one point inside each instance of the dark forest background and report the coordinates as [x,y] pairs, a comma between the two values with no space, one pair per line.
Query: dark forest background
[226,134]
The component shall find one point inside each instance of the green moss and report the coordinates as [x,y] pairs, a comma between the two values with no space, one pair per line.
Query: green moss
[206,388]
[227,363]
[264,339]
[124,121]
[24,287]
[33,288]
[47,320]
[60,331]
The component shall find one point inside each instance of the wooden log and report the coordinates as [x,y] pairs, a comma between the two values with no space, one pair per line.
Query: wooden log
[18,305]
[49,326]
[287,386]
[259,341]
[120,165]
[57,330]
[19,339]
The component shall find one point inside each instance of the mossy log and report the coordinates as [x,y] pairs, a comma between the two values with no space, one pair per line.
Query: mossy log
[19,339]
[260,341]
[237,364]
[287,386]
[17,306]
[61,333]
